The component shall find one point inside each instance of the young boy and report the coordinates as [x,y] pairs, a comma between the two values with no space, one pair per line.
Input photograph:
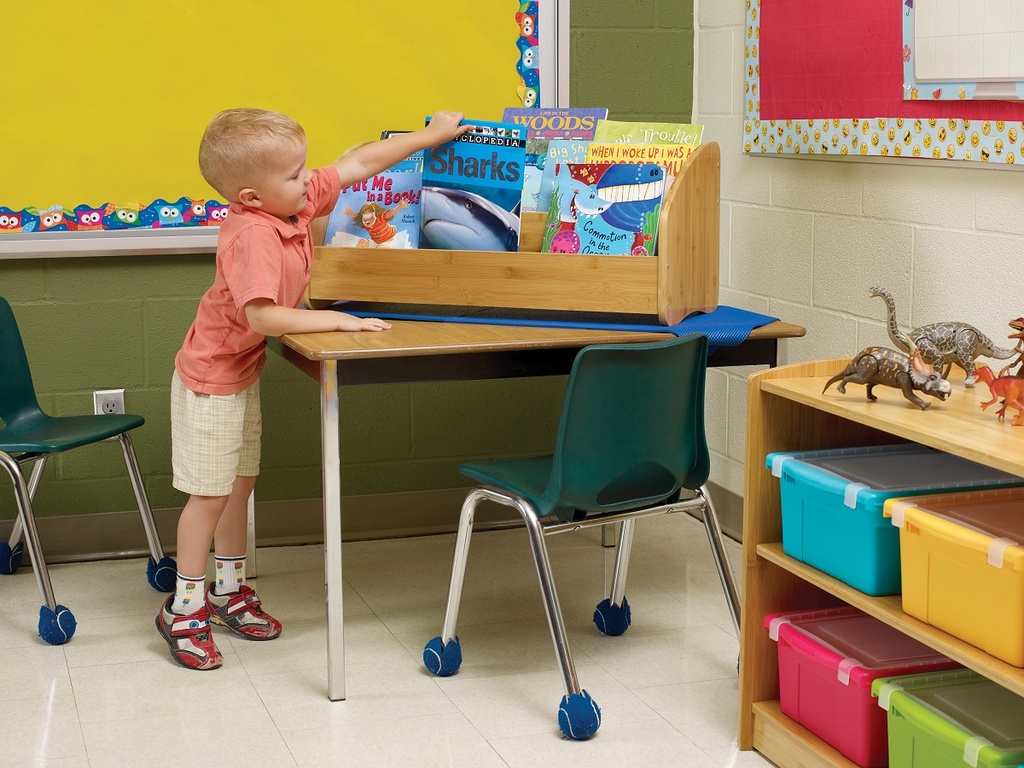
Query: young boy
[256,159]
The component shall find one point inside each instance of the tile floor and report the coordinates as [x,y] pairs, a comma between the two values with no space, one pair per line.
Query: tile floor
[113,697]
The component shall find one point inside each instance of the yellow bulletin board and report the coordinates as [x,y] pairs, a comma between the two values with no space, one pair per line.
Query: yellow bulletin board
[107,102]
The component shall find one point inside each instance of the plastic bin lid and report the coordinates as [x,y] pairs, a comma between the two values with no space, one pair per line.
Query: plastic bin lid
[854,635]
[916,467]
[975,704]
[999,513]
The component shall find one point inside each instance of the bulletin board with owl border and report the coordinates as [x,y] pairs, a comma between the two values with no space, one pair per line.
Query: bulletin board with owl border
[105,109]
[828,79]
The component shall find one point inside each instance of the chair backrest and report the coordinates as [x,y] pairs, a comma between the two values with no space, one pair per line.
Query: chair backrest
[17,396]
[632,427]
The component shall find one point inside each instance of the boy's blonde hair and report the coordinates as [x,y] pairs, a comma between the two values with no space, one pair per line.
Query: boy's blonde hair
[237,145]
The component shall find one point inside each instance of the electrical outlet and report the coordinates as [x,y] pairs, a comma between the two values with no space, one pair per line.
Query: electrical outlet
[107,401]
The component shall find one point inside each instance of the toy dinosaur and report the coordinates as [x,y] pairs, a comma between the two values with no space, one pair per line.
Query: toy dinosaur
[942,344]
[892,368]
[1009,388]
[1018,326]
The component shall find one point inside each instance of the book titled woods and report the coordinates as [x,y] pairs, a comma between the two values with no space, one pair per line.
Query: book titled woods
[542,125]
[380,212]
[605,209]
[472,189]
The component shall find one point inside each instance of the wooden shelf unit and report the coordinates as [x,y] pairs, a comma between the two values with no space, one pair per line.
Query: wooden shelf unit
[787,411]
[679,280]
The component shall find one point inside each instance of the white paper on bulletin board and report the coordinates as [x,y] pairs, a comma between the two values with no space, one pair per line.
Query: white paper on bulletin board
[109,105]
[964,49]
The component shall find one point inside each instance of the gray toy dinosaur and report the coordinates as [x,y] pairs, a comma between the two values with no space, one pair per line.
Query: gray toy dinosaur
[881,365]
[942,344]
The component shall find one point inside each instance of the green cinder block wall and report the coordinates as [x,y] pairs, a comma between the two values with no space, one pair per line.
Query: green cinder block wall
[111,322]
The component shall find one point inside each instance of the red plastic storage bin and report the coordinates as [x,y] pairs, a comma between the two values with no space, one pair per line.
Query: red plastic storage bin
[827,662]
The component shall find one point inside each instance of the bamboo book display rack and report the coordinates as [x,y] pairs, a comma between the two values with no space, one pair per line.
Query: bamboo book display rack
[680,280]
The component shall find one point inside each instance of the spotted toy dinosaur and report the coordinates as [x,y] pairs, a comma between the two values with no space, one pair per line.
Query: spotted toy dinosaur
[891,368]
[942,344]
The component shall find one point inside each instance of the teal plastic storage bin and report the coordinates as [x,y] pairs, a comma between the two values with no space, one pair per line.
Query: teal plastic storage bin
[832,505]
[951,720]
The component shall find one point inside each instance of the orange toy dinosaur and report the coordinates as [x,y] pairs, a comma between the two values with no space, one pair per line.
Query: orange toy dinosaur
[1009,388]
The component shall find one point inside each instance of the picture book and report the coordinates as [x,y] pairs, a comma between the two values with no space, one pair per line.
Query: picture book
[648,133]
[542,125]
[605,209]
[559,151]
[671,156]
[473,188]
[381,212]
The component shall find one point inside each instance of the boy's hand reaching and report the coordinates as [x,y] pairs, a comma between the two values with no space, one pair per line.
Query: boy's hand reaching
[445,126]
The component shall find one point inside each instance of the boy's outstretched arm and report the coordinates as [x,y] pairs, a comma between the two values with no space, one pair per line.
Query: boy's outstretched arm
[269,319]
[376,156]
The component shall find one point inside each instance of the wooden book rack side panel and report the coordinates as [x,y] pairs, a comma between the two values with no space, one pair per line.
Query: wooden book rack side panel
[680,280]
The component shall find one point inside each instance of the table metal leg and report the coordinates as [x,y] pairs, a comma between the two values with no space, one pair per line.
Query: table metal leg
[332,529]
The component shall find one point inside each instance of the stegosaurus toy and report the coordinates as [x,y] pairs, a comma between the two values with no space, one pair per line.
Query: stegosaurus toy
[942,344]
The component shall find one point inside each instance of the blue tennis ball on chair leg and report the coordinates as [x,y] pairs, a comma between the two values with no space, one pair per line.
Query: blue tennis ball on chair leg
[612,619]
[10,559]
[163,575]
[442,660]
[56,627]
[579,717]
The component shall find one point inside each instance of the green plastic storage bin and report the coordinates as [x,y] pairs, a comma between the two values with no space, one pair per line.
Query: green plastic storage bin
[951,720]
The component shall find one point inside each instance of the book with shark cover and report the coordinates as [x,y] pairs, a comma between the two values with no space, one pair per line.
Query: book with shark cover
[605,209]
[473,188]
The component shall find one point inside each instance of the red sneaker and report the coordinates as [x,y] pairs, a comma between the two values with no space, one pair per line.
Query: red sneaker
[242,613]
[188,637]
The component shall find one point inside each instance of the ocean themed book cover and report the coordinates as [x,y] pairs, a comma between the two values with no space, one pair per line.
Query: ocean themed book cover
[559,151]
[605,209]
[627,132]
[542,125]
[672,156]
[473,188]
[380,212]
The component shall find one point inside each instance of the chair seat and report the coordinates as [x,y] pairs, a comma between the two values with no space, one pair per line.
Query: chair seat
[40,433]
[525,477]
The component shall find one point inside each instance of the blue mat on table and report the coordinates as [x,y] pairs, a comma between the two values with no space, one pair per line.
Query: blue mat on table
[724,327]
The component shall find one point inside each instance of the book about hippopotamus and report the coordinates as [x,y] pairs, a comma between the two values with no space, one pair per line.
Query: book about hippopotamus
[380,212]
[473,188]
[605,209]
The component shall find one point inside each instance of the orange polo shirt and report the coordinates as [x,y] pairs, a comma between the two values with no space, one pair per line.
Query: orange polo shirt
[258,257]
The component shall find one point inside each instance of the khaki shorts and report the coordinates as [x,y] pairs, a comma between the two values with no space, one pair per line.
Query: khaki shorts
[214,438]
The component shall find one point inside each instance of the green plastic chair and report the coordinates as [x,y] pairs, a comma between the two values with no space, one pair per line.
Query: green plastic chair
[29,437]
[630,444]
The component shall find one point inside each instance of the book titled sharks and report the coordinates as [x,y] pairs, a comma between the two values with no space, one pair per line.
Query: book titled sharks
[473,188]
[605,209]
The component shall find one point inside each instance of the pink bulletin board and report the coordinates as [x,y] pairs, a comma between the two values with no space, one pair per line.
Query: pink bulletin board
[827,78]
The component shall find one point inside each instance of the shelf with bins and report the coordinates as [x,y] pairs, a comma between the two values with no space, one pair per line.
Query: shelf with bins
[787,411]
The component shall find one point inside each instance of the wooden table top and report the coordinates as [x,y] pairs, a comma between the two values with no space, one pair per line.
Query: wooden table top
[409,338]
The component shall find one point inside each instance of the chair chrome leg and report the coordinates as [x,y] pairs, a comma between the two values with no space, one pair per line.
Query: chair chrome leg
[714,532]
[618,589]
[465,533]
[17,530]
[24,500]
[547,588]
[152,536]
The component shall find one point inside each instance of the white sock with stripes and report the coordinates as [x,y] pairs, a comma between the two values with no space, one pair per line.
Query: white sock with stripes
[230,574]
[189,594]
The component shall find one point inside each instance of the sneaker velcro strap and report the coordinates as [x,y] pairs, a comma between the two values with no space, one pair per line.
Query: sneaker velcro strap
[190,625]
